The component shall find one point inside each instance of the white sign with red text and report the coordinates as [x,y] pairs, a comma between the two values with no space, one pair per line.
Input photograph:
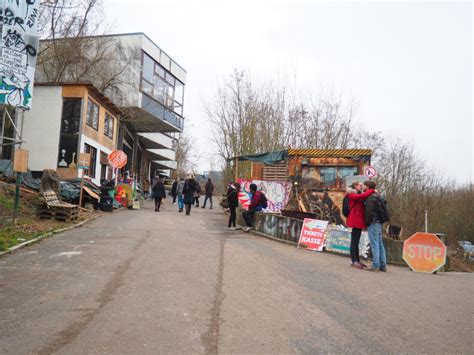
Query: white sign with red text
[313,234]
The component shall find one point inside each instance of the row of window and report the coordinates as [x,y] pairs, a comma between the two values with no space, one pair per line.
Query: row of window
[161,85]
[92,119]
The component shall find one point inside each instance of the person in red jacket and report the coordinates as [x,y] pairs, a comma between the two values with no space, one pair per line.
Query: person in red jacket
[356,219]
[255,206]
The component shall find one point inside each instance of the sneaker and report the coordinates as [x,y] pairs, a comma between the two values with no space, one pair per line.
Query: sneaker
[247,229]
[364,265]
[383,269]
[210,208]
[357,265]
[372,269]
[238,227]
[203,206]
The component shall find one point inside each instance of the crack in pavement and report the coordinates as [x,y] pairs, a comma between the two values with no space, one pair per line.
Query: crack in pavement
[211,338]
[67,335]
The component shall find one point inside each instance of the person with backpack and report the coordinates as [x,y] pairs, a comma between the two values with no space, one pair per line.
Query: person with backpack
[233,202]
[197,194]
[376,214]
[209,189]
[179,194]
[353,209]
[257,204]
[159,193]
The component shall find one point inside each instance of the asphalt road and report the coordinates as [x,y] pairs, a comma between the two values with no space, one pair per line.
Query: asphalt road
[140,282]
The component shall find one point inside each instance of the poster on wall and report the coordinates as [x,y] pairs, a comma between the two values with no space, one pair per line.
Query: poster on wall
[277,192]
[339,241]
[19,48]
[313,234]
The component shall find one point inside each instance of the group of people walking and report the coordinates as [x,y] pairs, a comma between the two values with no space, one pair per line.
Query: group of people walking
[366,211]
[185,192]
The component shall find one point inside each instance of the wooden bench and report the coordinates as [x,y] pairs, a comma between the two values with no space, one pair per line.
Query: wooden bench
[52,207]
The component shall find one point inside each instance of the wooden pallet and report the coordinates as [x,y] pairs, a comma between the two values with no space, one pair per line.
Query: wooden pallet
[68,215]
[52,207]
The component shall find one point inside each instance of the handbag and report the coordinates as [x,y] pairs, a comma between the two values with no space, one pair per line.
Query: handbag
[225,202]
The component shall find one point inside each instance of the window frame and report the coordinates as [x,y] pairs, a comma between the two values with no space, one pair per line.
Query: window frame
[93,162]
[91,104]
[108,117]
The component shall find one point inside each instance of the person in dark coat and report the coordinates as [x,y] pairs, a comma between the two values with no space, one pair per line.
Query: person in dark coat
[188,192]
[209,192]
[174,191]
[159,193]
[233,199]
[356,219]
[197,194]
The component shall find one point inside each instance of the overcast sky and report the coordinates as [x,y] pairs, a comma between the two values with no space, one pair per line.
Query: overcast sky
[408,66]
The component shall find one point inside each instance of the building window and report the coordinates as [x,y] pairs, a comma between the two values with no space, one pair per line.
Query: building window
[93,152]
[69,134]
[161,85]
[92,118]
[109,126]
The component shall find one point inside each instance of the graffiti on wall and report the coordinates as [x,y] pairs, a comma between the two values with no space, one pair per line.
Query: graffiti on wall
[278,193]
[19,48]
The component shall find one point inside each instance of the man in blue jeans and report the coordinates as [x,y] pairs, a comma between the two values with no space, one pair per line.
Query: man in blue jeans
[374,227]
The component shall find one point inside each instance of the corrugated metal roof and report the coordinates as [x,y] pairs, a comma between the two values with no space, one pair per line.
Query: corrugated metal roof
[333,153]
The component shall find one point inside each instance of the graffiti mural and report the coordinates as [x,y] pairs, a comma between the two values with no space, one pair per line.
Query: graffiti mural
[278,193]
[19,48]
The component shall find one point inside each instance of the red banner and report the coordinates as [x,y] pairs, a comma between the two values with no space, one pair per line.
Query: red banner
[313,234]
[118,159]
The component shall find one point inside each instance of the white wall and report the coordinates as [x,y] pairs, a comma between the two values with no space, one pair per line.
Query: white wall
[100,148]
[42,126]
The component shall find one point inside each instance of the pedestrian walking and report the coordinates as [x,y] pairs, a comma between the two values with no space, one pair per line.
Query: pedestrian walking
[159,193]
[233,200]
[375,216]
[179,193]
[209,189]
[258,203]
[197,194]
[356,219]
[188,193]
[146,188]
[174,192]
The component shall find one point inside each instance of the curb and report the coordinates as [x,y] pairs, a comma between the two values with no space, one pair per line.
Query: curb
[46,235]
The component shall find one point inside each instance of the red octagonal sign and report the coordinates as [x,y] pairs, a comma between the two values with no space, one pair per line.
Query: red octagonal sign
[424,252]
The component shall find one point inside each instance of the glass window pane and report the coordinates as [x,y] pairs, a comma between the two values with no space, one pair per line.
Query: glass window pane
[170,79]
[159,70]
[344,171]
[178,92]
[147,88]
[160,89]
[148,67]
[328,176]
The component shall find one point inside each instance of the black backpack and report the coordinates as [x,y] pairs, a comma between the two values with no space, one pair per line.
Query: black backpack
[263,200]
[345,207]
[381,210]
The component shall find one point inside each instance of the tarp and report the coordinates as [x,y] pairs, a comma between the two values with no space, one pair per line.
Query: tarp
[265,158]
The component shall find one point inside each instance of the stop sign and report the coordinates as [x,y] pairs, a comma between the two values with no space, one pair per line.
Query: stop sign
[424,252]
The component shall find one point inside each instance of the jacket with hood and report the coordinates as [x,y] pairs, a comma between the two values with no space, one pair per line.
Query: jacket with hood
[356,217]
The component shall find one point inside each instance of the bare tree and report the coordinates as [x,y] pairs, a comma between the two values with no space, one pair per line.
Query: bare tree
[72,48]
[183,149]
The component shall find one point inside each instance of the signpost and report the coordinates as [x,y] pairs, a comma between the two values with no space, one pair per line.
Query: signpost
[20,165]
[424,252]
[313,234]
[83,163]
[370,172]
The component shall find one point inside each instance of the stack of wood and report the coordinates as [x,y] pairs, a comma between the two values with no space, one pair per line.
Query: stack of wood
[52,207]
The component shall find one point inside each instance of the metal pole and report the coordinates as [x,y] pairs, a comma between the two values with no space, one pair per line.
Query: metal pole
[18,174]
[426,221]
[82,187]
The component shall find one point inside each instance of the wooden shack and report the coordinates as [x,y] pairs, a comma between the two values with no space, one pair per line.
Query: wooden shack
[317,175]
